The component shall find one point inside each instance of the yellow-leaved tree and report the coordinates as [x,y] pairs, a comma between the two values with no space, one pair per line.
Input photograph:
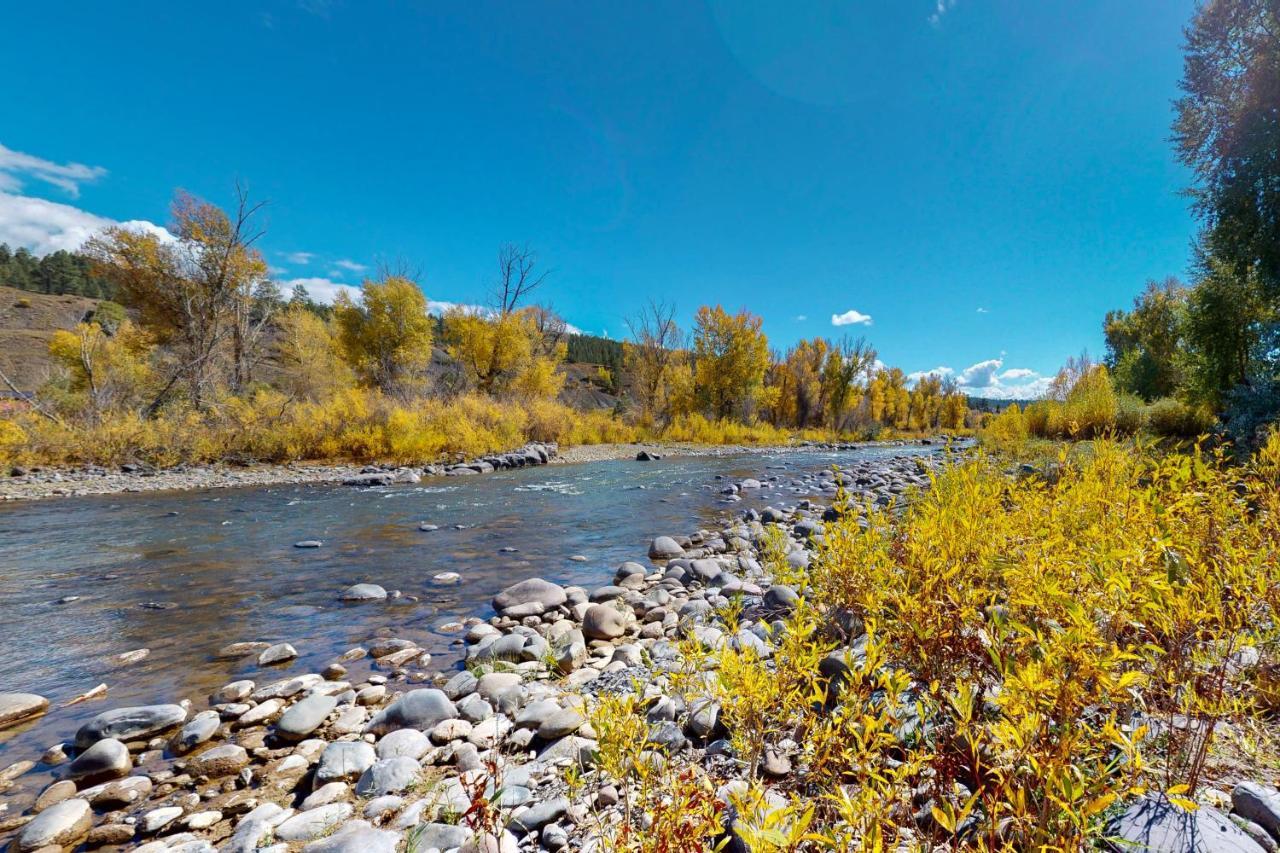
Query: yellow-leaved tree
[386,335]
[106,372]
[731,355]
[309,355]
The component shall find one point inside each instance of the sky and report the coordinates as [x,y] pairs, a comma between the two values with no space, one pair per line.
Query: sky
[970,184]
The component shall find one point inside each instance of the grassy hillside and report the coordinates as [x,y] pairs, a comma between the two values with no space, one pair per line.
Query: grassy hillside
[27,322]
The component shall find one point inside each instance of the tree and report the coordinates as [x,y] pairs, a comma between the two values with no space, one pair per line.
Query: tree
[505,353]
[650,358]
[848,360]
[1146,346]
[731,355]
[1226,314]
[111,372]
[1227,131]
[200,292]
[518,276]
[386,336]
[308,353]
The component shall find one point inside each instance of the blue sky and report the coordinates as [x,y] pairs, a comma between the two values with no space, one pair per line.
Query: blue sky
[971,184]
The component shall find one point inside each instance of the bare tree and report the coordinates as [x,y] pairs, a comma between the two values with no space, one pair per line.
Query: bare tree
[518,276]
[655,339]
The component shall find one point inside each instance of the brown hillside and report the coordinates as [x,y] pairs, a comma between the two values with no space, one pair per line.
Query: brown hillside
[27,322]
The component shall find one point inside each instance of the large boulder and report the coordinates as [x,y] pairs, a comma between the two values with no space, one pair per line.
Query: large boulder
[130,723]
[16,707]
[417,709]
[1154,825]
[530,597]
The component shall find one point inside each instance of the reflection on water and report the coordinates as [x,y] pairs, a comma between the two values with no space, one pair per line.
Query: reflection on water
[183,574]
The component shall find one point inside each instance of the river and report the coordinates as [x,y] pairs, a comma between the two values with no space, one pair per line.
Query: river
[185,573]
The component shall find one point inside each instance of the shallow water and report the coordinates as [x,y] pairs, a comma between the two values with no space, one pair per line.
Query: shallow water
[223,565]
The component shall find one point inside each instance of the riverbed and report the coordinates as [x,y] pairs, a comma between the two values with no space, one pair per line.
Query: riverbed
[183,574]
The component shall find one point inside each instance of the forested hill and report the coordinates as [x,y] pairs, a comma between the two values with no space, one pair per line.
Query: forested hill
[58,273]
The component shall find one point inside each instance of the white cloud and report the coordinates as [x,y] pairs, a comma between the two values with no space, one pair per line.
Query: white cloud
[941,372]
[302,258]
[800,318]
[983,311]
[987,379]
[47,226]
[16,166]
[350,266]
[851,318]
[982,374]
[323,290]
[940,9]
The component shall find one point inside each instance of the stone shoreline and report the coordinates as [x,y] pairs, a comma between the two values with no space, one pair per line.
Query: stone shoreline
[377,751]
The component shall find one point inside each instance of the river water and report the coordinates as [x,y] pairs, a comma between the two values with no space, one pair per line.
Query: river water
[185,573]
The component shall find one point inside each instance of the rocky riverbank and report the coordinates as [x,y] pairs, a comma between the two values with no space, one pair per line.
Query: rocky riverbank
[38,483]
[379,752]
[516,752]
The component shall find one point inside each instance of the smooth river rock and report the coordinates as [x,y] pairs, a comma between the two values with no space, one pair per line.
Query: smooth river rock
[225,760]
[603,622]
[417,709]
[388,776]
[530,597]
[358,836]
[664,548]
[16,707]
[61,825]
[309,825]
[1154,825]
[344,761]
[305,716]
[364,592]
[106,759]
[130,723]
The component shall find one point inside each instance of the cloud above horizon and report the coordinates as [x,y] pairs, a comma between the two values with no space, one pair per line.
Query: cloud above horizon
[989,379]
[851,318]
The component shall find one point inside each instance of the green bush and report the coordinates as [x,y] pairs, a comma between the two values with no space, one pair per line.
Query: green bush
[1174,418]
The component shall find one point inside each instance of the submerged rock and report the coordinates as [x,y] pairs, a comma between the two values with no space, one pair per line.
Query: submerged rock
[16,707]
[130,723]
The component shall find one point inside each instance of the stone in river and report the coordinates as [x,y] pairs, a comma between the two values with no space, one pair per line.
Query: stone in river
[198,729]
[225,760]
[130,723]
[529,595]
[106,759]
[278,653]
[364,592]
[428,528]
[16,707]
[306,716]
[308,543]
[61,825]
[664,548]
[239,650]
[563,722]
[1154,825]
[417,709]
[157,819]
[358,836]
